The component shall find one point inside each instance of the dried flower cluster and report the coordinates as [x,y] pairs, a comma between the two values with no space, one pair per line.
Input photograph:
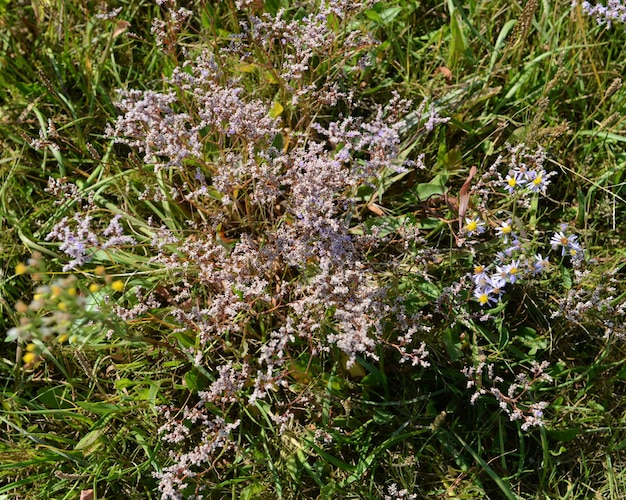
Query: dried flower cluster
[607,14]
[274,265]
[483,380]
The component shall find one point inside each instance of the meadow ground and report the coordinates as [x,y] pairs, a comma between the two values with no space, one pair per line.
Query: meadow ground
[306,250]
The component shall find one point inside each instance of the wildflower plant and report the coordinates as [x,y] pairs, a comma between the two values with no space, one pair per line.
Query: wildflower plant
[272,265]
[62,312]
[605,15]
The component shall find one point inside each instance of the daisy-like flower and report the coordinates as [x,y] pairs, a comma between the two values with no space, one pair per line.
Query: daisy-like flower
[516,246]
[500,273]
[502,257]
[479,277]
[576,250]
[497,284]
[505,230]
[539,264]
[484,296]
[513,179]
[567,243]
[512,271]
[537,181]
[474,226]
[508,272]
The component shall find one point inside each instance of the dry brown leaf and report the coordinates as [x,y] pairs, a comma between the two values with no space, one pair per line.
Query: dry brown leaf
[86,495]
[120,27]
[447,74]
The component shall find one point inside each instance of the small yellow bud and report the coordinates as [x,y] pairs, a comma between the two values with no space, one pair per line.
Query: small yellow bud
[117,285]
[56,291]
[21,268]
[31,347]
[100,270]
[93,288]
[62,306]
[71,292]
[29,358]
[63,338]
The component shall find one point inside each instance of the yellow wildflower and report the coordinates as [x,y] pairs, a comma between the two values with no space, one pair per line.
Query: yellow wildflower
[117,285]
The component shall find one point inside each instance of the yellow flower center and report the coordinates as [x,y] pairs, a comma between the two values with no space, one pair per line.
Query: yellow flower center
[472,226]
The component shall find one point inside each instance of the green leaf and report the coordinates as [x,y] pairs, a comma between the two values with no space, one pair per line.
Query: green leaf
[192,380]
[374,16]
[54,397]
[566,277]
[276,110]
[329,491]
[272,6]
[425,190]
[453,344]
[340,464]
[99,408]
[500,42]
[458,43]
[186,341]
[389,14]
[389,225]
[251,491]
[531,339]
[382,417]
[90,441]
[123,383]
[563,434]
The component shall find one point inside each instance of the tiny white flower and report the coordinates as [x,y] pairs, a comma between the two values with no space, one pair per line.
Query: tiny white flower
[513,180]
[536,181]
[540,263]
[474,226]
[567,243]
[484,295]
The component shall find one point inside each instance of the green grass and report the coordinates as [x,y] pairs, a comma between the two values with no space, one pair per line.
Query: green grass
[83,412]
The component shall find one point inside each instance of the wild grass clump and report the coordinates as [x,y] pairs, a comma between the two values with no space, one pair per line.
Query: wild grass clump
[338,249]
